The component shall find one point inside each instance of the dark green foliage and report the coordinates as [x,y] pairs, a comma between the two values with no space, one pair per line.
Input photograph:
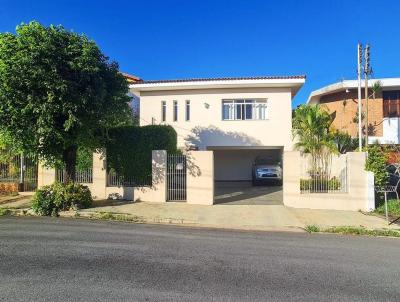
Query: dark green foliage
[344,142]
[58,91]
[49,200]
[376,162]
[129,148]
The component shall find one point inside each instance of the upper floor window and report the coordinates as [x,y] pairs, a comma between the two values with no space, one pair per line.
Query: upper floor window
[244,109]
[163,111]
[175,111]
[391,103]
[187,111]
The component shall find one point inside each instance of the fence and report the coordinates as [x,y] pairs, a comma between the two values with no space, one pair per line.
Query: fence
[329,177]
[84,176]
[115,180]
[18,169]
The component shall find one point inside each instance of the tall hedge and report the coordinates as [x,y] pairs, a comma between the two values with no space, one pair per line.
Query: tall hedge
[129,148]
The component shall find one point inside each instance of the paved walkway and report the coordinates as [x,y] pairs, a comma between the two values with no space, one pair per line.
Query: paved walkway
[230,216]
[246,194]
[246,217]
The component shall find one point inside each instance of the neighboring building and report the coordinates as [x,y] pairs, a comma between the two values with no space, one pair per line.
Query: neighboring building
[341,100]
[240,119]
[134,103]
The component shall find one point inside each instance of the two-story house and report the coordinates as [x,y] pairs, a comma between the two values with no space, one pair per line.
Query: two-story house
[240,119]
[341,100]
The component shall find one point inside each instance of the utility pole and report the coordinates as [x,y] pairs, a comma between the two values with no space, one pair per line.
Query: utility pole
[367,71]
[359,60]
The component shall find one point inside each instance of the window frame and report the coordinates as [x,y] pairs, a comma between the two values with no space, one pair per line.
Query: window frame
[163,111]
[238,109]
[175,111]
[187,110]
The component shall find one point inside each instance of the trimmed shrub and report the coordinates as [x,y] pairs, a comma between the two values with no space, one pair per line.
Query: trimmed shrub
[319,185]
[49,200]
[129,148]
[376,162]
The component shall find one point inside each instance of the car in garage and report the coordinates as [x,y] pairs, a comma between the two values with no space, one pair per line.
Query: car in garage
[265,171]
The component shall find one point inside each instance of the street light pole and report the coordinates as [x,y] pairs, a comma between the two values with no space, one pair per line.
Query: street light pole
[366,73]
[359,59]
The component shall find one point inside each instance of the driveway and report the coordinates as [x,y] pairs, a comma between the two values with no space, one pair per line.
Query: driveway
[45,259]
[244,193]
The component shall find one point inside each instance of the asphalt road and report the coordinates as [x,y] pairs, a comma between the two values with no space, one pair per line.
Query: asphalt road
[44,259]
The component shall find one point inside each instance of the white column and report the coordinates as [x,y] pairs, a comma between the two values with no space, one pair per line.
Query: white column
[98,187]
[200,177]
[46,176]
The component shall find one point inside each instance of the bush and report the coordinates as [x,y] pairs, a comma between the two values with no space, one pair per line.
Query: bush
[376,162]
[129,148]
[49,200]
[319,185]
[393,207]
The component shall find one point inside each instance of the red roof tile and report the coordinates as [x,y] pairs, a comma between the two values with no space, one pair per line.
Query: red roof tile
[221,79]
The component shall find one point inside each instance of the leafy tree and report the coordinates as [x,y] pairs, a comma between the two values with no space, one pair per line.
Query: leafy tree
[311,130]
[58,92]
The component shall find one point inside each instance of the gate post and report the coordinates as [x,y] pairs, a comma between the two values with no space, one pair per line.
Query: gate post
[159,175]
[200,177]
[46,176]
[99,184]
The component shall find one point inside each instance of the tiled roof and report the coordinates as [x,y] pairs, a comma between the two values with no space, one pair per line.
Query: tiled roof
[221,79]
[131,78]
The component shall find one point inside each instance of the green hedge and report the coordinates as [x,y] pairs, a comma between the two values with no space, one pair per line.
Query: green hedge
[129,148]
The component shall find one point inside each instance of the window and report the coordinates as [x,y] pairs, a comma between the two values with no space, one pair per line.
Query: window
[187,117]
[391,103]
[175,113]
[163,111]
[244,109]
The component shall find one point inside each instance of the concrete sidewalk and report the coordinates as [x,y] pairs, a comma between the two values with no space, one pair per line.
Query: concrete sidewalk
[245,217]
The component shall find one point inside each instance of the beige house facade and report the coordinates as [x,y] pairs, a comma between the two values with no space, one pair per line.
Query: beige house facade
[239,119]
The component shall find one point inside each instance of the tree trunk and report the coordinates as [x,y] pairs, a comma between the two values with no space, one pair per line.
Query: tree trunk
[69,158]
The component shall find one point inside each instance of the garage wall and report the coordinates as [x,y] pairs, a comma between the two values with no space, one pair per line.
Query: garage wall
[236,165]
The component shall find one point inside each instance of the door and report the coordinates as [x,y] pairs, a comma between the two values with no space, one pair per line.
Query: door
[176,177]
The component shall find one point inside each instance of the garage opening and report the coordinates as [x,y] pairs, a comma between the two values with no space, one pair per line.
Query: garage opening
[248,176]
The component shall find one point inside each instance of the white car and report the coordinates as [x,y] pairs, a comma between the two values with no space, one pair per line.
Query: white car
[264,171]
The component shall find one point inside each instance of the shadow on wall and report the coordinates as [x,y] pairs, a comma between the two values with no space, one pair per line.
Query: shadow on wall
[202,137]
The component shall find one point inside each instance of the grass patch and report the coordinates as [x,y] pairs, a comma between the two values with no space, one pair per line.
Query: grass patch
[4,212]
[312,229]
[117,217]
[393,208]
[353,231]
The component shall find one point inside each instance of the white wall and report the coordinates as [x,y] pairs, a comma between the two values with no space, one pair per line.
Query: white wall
[391,132]
[360,193]
[206,127]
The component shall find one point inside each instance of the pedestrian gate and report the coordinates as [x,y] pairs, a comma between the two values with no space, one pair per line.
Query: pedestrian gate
[176,177]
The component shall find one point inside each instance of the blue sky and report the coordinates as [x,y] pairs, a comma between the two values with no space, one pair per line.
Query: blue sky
[181,39]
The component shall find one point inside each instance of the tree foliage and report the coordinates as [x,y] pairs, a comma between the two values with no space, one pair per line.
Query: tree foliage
[58,91]
[311,129]
[344,142]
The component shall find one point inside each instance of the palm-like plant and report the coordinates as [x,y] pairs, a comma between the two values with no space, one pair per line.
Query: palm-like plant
[311,129]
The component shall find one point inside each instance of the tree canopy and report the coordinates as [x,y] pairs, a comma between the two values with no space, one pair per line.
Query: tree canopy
[58,91]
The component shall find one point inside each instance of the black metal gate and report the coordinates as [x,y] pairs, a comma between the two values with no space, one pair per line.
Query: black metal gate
[176,177]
